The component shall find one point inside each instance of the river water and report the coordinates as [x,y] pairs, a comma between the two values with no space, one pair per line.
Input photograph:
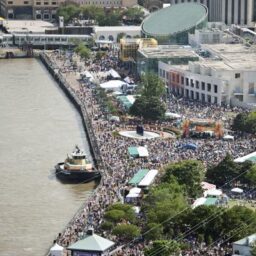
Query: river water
[38,127]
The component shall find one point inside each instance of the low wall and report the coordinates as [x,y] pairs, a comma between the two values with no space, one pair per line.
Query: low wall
[80,108]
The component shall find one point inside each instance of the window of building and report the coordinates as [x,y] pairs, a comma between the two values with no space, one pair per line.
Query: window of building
[25,2]
[54,3]
[38,3]
[192,95]
[187,93]
[203,86]
[46,3]
[191,83]
[237,75]
[197,95]
[203,97]
[215,88]
[10,2]
[197,84]
[178,78]
[46,16]
[182,80]
[251,88]
[215,100]
[209,98]
[209,87]
[187,81]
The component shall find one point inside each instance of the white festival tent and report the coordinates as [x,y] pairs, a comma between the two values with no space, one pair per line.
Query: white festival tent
[172,115]
[134,193]
[228,137]
[114,85]
[198,202]
[237,190]
[88,75]
[213,192]
[56,250]
[143,151]
[114,74]
[148,179]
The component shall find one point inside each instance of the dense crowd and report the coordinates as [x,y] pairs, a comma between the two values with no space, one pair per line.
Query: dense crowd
[118,167]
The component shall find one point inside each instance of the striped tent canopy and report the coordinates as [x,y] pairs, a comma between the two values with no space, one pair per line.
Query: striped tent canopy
[138,152]
[138,177]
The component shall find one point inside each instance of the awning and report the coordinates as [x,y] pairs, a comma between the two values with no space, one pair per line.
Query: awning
[137,178]
[134,193]
[237,190]
[228,137]
[138,151]
[213,192]
[207,186]
[148,179]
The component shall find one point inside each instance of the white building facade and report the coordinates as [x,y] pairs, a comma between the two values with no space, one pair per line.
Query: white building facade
[213,81]
[111,33]
[228,11]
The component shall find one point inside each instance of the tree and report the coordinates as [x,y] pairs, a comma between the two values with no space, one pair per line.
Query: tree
[224,172]
[163,248]
[149,108]
[133,15]
[126,231]
[129,213]
[154,231]
[114,215]
[189,173]
[251,175]
[245,122]
[163,202]
[152,86]
[150,105]
[83,51]
[69,12]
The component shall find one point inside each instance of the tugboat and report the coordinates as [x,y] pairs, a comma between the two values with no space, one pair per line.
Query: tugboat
[76,168]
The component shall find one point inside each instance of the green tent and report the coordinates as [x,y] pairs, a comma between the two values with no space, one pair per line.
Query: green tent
[92,243]
[137,178]
[133,151]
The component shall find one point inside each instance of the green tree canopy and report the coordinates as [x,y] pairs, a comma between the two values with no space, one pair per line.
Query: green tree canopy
[189,173]
[224,172]
[163,248]
[69,11]
[83,51]
[126,231]
[163,202]
[245,122]
[150,105]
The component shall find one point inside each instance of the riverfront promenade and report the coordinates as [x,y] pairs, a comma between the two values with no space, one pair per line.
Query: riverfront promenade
[116,166]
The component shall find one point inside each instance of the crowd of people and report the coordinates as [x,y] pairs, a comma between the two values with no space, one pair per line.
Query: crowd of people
[117,166]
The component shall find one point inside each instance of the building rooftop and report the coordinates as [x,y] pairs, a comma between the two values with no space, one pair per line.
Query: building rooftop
[27,26]
[233,56]
[247,241]
[174,19]
[92,243]
[116,28]
[164,51]
[226,57]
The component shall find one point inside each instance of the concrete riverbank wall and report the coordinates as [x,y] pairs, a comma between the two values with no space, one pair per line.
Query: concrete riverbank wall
[80,106]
